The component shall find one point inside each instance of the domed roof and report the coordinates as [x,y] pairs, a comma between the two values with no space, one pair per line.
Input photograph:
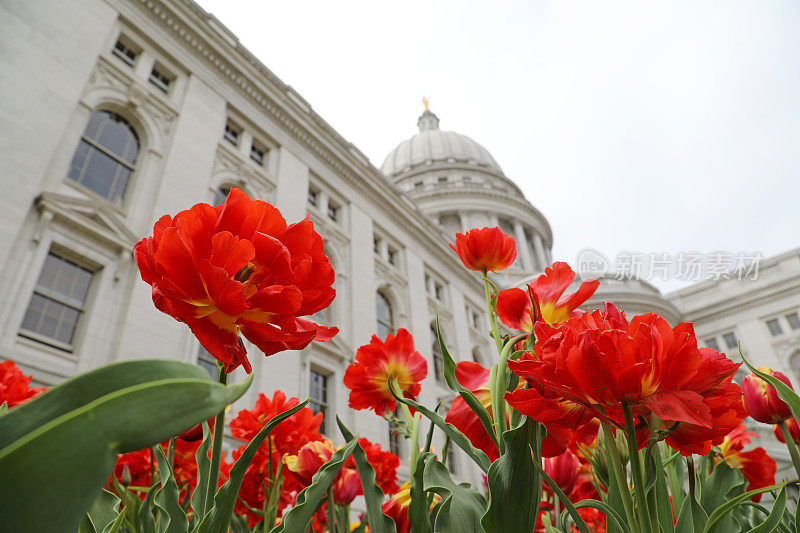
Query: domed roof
[431,145]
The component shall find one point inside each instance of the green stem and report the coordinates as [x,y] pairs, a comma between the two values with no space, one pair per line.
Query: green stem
[171,453]
[790,444]
[412,421]
[492,316]
[675,487]
[636,468]
[619,474]
[216,446]
[498,410]
[331,513]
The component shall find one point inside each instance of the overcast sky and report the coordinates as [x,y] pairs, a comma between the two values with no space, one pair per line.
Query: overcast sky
[633,126]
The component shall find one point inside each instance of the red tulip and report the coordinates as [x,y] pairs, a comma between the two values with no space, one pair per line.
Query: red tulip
[385,465]
[309,459]
[15,388]
[516,310]
[564,470]
[599,359]
[794,431]
[757,467]
[238,268]
[347,487]
[761,399]
[380,362]
[485,249]
[396,507]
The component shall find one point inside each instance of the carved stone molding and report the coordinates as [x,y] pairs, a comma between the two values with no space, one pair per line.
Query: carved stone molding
[89,216]
[111,85]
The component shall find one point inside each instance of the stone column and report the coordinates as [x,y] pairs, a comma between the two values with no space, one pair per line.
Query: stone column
[541,253]
[523,250]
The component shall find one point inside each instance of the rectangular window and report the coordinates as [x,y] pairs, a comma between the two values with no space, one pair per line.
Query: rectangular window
[160,78]
[207,361]
[391,256]
[125,52]
[58,301]
[731,341]
[257,154]
[794,320]
[232,132]
[712,343]
[313,197]
[333,211]
[438,291]
[376,245]
[318,397]
[418,184]
[443,179]
[774,327]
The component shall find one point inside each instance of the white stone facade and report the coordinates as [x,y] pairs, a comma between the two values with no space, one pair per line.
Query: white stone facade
[385,234]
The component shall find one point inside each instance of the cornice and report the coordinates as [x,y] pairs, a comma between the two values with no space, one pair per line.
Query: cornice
[729,306]
[223,53]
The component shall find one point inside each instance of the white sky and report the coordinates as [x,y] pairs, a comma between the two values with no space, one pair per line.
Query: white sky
[647,126]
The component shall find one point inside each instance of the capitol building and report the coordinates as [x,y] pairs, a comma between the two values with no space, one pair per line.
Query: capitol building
[115,112]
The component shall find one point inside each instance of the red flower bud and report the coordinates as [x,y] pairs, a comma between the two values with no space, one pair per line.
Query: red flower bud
[485,249]
[794,430]
[347,487]
[309,459]
[761,399]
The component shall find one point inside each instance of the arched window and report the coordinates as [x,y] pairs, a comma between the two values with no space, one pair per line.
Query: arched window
[794,363]
[476,356]
[106,156]
[438,357]
[385,315]
[221,194]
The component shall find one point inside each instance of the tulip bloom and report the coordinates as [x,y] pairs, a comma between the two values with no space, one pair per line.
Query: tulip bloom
[564,470]
[794,431]
[601,360]
[485,249]
[757,467]
[379,363]
[517,311]
[288,436]
[762,400]
[15,388]
[385,465]
[396,507]
[309,459]
[238,268]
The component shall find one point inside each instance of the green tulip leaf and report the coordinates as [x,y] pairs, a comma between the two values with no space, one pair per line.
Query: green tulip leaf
[218,518]
[373,495]
[512,510]
[173,518]
[299,518]
[87,387]
[462,506]
[49,476]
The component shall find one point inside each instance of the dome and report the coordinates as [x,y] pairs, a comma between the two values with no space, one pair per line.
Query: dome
[431,145]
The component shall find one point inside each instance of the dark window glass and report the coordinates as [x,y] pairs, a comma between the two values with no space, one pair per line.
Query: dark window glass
[106,155]
[232,134]
[731,341]
[160,79]
[318,397]
[794,320]
[257,154]
[385,316]
[207,361]
[313,197]
[712,343]
[774,327]
[125,53]
[220,195]
[58,301]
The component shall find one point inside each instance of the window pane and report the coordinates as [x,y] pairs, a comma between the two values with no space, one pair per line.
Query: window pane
[105,171]
[385,318]
[774,327]
[220,195]
[730,341]
[794,320]
[712,343]
[56,304]
[207,361]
